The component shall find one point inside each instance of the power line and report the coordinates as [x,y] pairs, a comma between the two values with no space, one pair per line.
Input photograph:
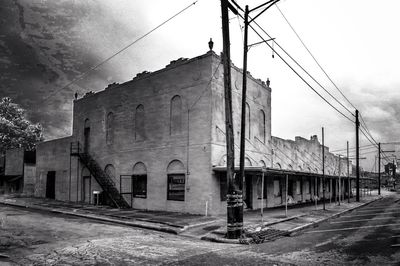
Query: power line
[298,64]
[308,84]
[313,57]
[361,147]
[117,53]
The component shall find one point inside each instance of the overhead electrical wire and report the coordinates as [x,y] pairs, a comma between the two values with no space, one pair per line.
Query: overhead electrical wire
[313,57]
[363,123]
[84,74]
[302,78]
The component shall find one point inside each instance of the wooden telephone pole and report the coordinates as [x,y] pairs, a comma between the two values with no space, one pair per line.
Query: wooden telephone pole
[357,159]
[234,196]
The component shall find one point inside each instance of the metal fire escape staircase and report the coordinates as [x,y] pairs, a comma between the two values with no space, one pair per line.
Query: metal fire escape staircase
[102,178]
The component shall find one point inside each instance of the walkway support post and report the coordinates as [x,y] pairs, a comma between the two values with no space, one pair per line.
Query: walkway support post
[348,173]
[357,159]
[262,198]
[234,196]
[323,167]
[286,193]
[379,168]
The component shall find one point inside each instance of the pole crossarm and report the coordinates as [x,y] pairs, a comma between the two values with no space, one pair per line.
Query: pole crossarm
[265,9]
[260,42]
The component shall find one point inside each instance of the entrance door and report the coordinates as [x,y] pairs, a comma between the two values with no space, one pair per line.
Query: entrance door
[248,191]
[86,189]
[51,185]
[86,144]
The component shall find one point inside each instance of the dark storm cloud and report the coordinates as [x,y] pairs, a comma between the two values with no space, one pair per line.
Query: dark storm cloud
[46,44]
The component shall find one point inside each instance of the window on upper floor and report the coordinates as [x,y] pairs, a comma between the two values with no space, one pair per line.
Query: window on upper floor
[110,128]
[248,125]
[139,123]
[176,115]
[262,126]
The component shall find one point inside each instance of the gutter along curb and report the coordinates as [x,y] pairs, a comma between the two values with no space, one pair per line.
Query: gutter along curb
[139,224]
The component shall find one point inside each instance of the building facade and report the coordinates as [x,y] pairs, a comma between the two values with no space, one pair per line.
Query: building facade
[158,141]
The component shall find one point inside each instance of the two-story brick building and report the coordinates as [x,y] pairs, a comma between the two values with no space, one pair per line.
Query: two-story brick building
[158,142]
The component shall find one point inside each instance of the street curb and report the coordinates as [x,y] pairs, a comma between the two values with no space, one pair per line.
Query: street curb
[300,228]
[94,217]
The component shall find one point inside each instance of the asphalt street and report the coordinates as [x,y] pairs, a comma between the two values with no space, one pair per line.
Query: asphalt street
[369,235]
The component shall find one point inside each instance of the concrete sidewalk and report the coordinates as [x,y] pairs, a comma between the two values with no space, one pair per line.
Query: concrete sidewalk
[168,222]
[274,223]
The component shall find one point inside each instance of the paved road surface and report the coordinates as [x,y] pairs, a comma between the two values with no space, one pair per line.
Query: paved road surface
[367,236]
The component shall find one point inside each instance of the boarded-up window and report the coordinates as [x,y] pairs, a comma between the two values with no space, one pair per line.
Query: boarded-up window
[298,187]
[262,126]
[277,188]
[176,181]
[139,123]
[139,181]
[110,128]
[176,115]
[110,171]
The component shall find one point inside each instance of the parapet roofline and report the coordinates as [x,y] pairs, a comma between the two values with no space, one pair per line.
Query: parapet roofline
[174,64]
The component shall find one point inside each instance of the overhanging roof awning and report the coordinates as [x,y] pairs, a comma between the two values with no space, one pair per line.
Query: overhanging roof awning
[10,178]
[267,170]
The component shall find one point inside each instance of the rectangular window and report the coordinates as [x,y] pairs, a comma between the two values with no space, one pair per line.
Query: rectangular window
[277,188]
[176,187]
[139,186]
[223,186]
[307,186]
[298,187]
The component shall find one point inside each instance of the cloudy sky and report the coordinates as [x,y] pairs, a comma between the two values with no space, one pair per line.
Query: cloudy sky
[46,44]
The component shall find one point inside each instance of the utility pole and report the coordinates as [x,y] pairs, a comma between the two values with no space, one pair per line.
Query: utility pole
[323,167]
[348,173]
[357,159]
[244,92]
[379,168]
[234,196]
[394,175]
[340,183]
[268,4]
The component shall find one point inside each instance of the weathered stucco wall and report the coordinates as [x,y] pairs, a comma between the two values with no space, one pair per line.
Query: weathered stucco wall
[54,155]
[157,144]
[14,162]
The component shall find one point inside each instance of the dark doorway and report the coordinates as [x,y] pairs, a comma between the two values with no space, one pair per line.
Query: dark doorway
[86,144]
[51,185]
[86,189]
[290,188]
[248,193]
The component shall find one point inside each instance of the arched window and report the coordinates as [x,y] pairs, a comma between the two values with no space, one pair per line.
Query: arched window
[139,123]
[110,128]
[262,126]
[248,121]
[176,181]
[176,115]
[139,181]
[247,162]
[110,171]
[278,166]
